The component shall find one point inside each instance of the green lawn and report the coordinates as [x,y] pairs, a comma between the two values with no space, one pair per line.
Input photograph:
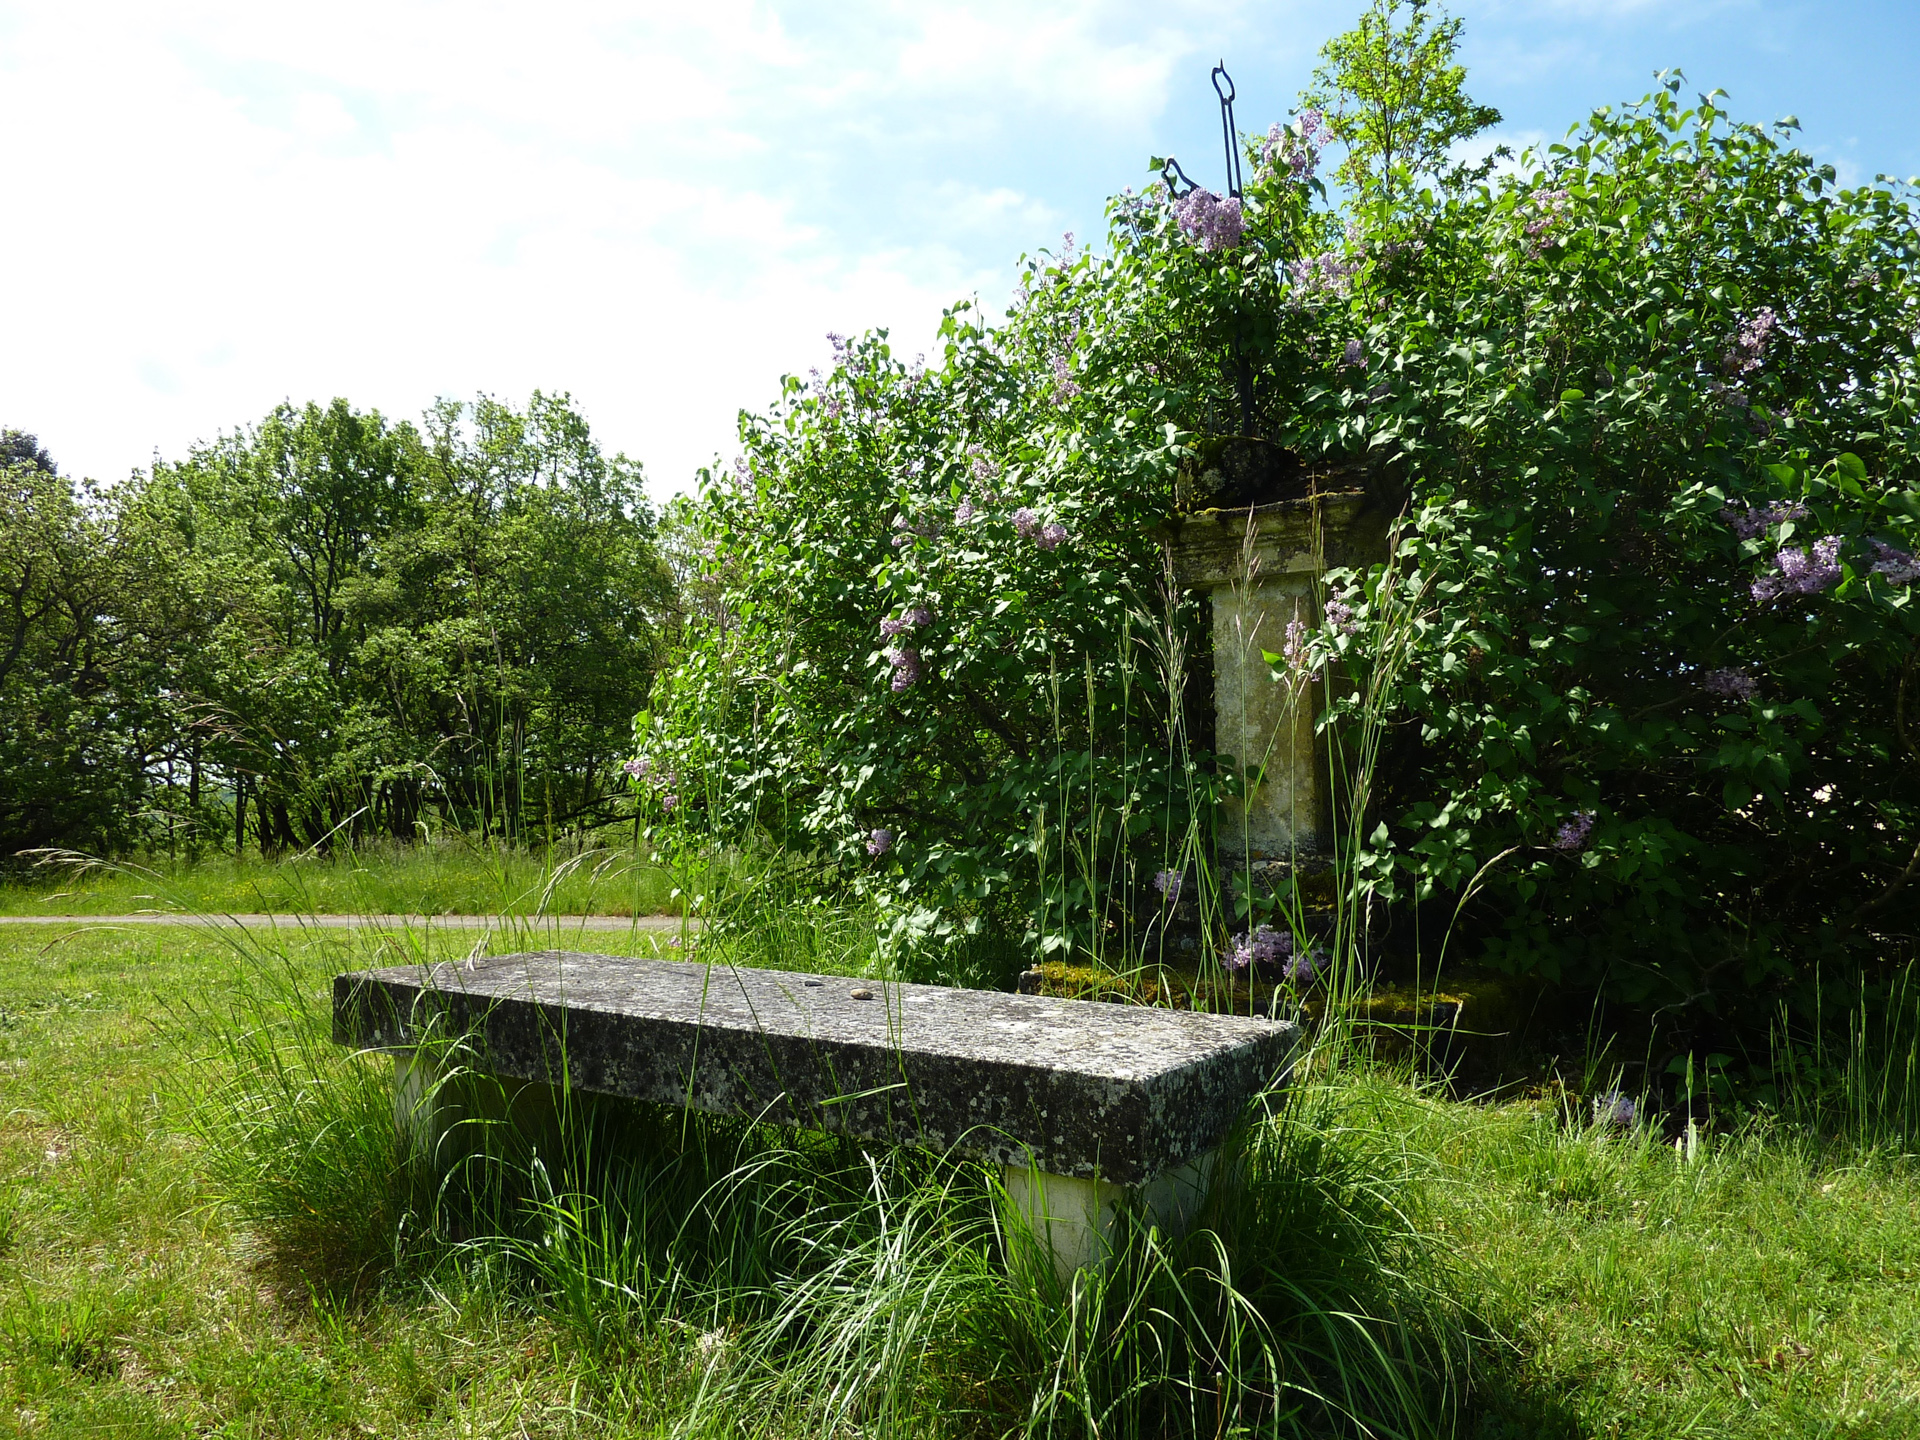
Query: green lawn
[1764,1287]
[455,878]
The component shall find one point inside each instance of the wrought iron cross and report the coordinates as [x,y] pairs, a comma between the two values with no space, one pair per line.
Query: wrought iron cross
[1171,172]
[1227,132]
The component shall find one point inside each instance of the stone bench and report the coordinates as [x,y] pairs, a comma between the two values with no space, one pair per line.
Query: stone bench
[1088,1107]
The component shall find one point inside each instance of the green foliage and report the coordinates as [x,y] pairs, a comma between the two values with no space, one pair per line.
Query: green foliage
[329,625]
[1650,402]
[1395,97]
[939,603]
[80,631]
[1635,389]
[889,496]
[1762,1286]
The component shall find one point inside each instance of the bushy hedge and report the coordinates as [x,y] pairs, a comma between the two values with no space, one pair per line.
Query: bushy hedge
[1650,398]
[1656,395]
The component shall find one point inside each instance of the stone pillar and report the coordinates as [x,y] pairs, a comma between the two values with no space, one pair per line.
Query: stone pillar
[1260,568]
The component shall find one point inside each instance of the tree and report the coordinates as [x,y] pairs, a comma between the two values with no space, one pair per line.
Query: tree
[378,627]
[1395,97]
[19,448]
[71,763]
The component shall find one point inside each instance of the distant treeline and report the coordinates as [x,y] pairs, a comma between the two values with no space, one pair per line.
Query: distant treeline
[328,625]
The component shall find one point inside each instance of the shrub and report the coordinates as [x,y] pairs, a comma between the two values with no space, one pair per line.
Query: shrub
[1649,402]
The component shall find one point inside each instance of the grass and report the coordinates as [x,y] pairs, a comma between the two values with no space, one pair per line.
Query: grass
[447,877]
[1616,1287]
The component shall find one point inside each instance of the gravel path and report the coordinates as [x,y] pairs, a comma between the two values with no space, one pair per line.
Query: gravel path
[557,923]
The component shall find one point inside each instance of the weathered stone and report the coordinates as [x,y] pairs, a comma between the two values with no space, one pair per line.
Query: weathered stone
[1122,1094]
[1261,568]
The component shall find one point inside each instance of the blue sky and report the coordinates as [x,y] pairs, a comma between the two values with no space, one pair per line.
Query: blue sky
[216,205]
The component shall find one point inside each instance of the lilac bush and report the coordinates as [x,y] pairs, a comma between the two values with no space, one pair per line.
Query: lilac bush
[1655,441]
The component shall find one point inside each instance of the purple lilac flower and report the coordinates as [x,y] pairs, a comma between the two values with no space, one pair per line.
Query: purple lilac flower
[905,661]
[1268,948]
[1064,385]
[1324,274]
[1026,524]
[1801,572]
[963,512]
[983,469]
[1730,683]
[1303,967]
[1168,882]
[1339,615]
[1051,536]
[637,767]
[669,800]
[927,529]
[1264,951]
[1353,357]
[1748,343]
[1615,1109]
[880,841]
[1750,520]
[1294,647]
[1299,153]
[1572,834]
[1213,222]
[1898,566]
[1239,959]
[909,620]
[1547,210]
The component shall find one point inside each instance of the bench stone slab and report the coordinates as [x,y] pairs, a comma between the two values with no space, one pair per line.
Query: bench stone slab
[1121,1093]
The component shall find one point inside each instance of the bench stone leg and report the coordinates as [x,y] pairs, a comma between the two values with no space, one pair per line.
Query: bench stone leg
[420,1115]
[1074,1218]
[444,1113]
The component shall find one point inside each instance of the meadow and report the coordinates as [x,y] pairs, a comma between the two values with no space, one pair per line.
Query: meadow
[460,876]
[1616,710]
[204,1233]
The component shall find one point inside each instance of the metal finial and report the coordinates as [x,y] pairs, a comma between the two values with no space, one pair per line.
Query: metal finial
[1228,133]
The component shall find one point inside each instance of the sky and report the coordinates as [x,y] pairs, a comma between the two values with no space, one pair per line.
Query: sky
[661,209]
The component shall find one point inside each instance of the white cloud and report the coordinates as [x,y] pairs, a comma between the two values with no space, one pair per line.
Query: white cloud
[322,116]
[660,209]
[254,202]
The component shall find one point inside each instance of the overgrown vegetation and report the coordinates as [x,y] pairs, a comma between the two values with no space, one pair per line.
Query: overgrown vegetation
[1647,401]
[290,1279]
